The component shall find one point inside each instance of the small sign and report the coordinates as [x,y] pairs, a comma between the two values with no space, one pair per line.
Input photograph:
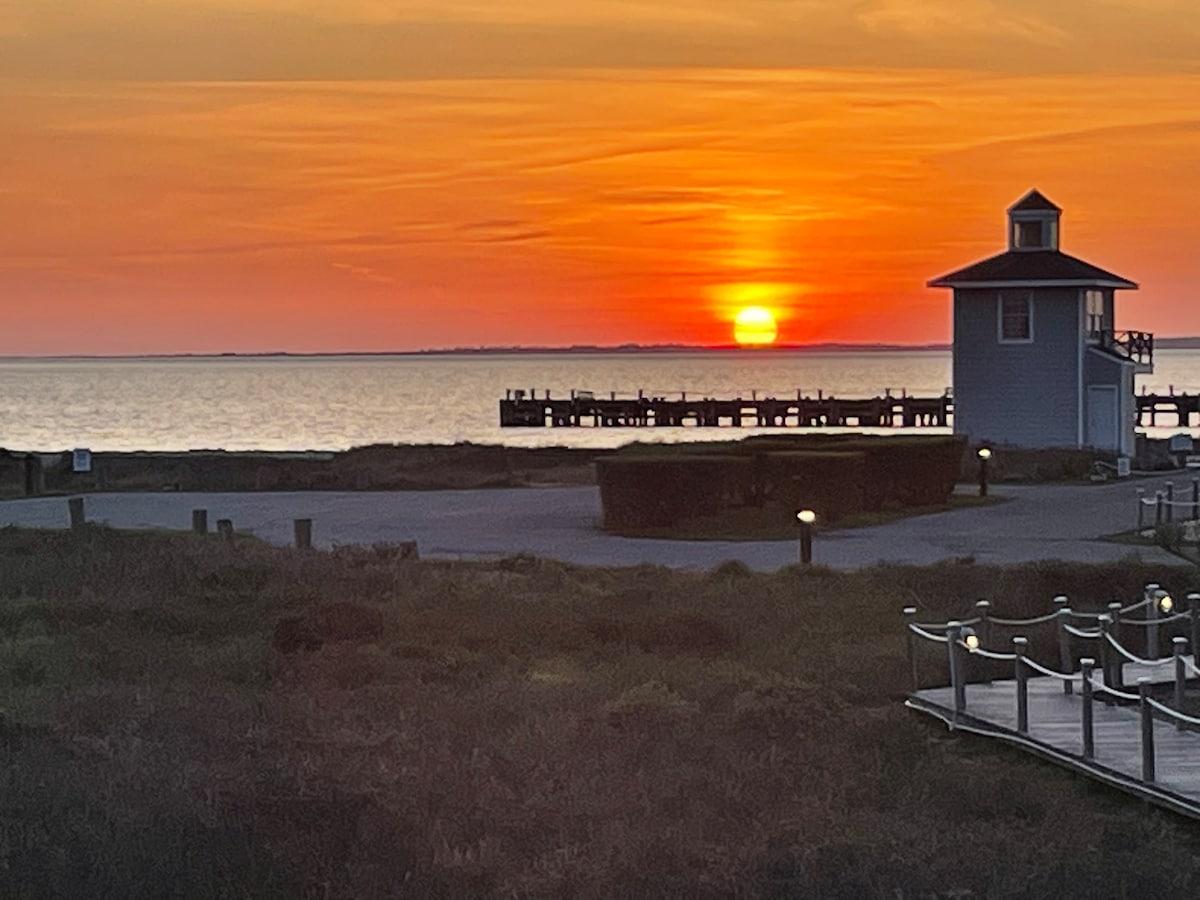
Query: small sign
[81,460]
[1180,443]
[1123,467]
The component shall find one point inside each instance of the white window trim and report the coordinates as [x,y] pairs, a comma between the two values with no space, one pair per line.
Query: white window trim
[1000,338]
[1092,337]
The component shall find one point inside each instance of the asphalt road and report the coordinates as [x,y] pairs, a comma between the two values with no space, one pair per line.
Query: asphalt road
[1037,522]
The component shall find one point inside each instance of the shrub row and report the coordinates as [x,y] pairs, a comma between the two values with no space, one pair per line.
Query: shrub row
[835,475]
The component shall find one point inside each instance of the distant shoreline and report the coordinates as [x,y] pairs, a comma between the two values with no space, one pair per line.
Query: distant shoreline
[1166,343]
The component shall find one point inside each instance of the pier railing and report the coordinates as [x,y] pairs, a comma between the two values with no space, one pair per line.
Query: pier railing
[521,409]
[964,640]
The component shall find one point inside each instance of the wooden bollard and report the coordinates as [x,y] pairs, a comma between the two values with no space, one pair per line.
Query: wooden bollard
[200,521]
[225,529]
[303,534]
[75,509]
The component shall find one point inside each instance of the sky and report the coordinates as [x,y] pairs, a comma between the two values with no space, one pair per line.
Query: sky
[191,176]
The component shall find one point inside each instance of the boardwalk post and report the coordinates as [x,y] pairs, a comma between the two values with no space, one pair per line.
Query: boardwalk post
[1158,508]
[954,646]
[1194,610]
[200,521]
[1020,645]
[1170,501]
[983,609]
[1115,662]
[225,529]
[76,514]
[1065,662]
[1086,665]
[910,616]
[1179,645]
[1147,712]
[1141,502]
[1152,592]
[1195,499]
[303,530]
[1106,652]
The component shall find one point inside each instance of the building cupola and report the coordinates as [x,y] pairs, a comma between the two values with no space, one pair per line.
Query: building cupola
[1033,223]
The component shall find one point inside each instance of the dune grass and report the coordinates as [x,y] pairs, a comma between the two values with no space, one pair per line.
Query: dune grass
[523,728]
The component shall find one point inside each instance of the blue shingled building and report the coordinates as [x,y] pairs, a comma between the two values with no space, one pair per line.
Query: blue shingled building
[1037,362]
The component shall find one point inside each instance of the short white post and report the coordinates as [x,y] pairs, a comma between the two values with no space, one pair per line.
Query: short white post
[1179,645]
[1086,666]
[1147,712]
[1065,663]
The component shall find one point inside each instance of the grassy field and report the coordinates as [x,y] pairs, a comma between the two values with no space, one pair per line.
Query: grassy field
[522,728]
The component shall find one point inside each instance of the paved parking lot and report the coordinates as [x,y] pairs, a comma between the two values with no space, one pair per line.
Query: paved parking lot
[1036,522]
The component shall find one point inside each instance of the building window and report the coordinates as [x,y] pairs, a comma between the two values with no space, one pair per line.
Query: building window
[1028,235]
[1094,314]
[1016,317]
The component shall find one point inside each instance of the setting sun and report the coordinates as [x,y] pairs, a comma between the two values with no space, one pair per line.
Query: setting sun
[754,326]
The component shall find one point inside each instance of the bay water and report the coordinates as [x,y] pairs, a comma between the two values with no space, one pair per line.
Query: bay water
[337,402]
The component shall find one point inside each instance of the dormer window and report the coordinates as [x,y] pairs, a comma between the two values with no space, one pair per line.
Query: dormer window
[1028,236]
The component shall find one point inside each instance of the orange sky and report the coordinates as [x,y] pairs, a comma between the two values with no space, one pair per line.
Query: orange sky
[308,175]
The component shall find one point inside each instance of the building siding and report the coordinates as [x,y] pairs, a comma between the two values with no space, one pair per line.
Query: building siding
[1100,367]
[1026,394]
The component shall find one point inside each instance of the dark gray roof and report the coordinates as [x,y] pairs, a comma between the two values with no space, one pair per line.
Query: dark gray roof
[1028,267]
[1034,200]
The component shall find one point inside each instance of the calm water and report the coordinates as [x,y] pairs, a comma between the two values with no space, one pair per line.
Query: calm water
[280,403]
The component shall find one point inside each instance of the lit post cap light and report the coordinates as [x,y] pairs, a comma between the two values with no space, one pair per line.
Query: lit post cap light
[984,455]
[806,517]
[1165,603]
[970,638]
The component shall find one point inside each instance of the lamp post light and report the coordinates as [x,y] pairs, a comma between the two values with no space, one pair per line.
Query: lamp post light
[805,518]
[984,455]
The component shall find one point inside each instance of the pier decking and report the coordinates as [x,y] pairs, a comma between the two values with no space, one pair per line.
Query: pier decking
[1084,717]
[522,409]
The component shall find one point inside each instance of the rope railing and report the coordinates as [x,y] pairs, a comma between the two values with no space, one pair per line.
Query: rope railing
[1050,673]
[1116,645]
[1100,687]
[1022,623]
[991,654]
[1173,714]
[1080,633]
[943,626]
[920,631]
[1150,623]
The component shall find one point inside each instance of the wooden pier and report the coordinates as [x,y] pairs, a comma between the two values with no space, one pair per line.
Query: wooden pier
[582,409]
[1181,406]
[520,409]
[1114,717]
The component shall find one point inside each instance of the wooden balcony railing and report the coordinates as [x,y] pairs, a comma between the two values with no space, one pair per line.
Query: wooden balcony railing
[1137,346]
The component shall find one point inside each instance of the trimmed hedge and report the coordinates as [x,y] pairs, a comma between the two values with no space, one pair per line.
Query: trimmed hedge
[835,475]
[638,492]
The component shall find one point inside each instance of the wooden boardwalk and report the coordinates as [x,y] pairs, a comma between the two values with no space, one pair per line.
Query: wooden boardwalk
[1056,733]
[1121,722]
